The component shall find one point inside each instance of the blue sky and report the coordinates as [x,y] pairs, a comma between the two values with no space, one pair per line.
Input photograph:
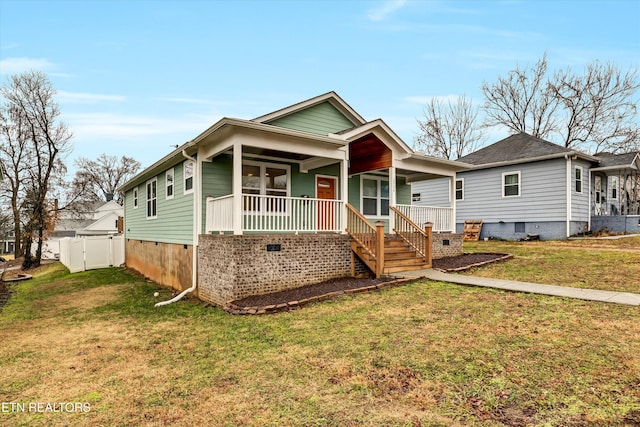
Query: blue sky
[135,77]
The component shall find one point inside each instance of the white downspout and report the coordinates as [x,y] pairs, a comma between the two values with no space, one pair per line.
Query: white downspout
[589,202]
[196,225]
[566,156]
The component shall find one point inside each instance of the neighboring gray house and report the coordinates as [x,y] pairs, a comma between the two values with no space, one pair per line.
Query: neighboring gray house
[524,185]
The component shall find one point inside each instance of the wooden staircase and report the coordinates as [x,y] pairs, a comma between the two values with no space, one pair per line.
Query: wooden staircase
[408,249]
[398,256]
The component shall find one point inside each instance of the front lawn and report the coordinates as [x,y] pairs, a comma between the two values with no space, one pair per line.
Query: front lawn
[597,264]
[430,354]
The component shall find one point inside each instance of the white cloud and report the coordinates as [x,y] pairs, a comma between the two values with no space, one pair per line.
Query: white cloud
[388,7]
[87,98]
[20,65]
[111,126]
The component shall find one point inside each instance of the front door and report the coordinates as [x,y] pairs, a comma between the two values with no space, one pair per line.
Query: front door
[326,190]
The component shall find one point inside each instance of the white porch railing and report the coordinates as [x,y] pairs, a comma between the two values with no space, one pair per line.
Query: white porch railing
[275,214]
[219,214]
[442,218]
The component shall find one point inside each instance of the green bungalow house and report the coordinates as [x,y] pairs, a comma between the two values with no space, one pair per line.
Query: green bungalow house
[284,200]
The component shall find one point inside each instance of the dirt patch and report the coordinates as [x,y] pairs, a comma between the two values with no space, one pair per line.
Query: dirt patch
[85,299]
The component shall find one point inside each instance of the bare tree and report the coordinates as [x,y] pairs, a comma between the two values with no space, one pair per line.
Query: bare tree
[522,101]
[599,106]
[99,180]
[449,130]
[15,151]
[595,111]
[30,97]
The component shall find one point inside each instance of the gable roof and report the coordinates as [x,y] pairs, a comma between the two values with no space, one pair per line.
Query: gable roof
[331,97]
[520,148]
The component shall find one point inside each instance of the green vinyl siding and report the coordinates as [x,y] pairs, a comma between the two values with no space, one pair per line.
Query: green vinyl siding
[305,183]
[321,119]
[174,220]
[217,181]
[403,191]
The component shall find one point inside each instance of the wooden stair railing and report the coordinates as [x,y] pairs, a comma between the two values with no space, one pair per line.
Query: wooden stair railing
[368,240]
[413,235]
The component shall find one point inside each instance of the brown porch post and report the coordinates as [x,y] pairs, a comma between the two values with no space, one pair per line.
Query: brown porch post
[379,249]
[428,227]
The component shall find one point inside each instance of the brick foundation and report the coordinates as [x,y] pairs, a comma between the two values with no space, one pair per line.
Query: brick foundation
[232,267]
[446,244]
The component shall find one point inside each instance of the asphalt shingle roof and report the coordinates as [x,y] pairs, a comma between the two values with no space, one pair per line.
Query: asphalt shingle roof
[616,159]
[515,147]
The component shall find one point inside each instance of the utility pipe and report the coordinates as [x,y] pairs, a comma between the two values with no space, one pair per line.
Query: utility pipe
[568,159]
[194,259]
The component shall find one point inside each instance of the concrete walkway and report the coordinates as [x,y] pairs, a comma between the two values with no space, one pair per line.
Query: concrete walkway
[533,288]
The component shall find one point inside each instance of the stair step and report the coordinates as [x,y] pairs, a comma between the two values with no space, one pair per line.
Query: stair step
[399,255]
[406,268]
[394,243]
[403,262]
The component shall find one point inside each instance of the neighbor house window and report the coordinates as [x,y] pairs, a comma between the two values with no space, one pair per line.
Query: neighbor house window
[135,198]
[169,178]
[375,196]
[460,189]
[188,176]
[265,179]
[614,187]
[152,198]
[578,179]
[510,184]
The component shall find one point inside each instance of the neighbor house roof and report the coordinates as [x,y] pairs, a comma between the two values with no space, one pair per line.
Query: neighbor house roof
[618,161]
[520,148]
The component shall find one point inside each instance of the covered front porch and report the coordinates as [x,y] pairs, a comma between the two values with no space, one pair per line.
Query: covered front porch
[276,186]
[615,199]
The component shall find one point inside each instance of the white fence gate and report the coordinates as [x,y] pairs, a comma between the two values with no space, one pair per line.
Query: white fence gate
[89,253]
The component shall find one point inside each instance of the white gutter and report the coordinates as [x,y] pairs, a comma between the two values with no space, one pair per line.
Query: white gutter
[194,247]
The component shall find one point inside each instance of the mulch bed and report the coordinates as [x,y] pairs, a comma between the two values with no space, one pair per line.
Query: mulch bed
[294,298]
[468,261]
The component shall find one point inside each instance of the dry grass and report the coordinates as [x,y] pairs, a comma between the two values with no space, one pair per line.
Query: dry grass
[429,354]
[596,264]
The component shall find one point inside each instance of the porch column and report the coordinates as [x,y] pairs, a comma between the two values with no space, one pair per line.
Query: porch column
[392,196]
[237,188]
[454,203]
[344,193]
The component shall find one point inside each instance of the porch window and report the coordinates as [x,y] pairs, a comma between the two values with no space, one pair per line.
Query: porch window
[152,198]
[375,196]
[460,189]
[188,176]
[169,175]
[511,184]
[265,179]
[578,179]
